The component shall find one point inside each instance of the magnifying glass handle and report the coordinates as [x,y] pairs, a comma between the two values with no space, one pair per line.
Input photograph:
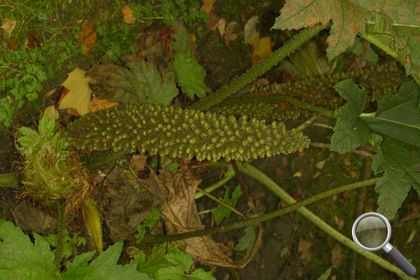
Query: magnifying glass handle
[402,262]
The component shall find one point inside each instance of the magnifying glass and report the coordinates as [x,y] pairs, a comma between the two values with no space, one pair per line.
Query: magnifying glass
[372,232]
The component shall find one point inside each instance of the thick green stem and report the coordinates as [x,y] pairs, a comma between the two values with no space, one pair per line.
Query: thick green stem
[7,179]
[254,72]
[272,186]
[262,218]
[60,235]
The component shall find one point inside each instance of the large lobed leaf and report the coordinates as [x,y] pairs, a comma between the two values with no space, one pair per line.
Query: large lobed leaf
[348,20]
[400,165]
[349,132]
[398,116]
[392,25]
[397,120]
[22,259]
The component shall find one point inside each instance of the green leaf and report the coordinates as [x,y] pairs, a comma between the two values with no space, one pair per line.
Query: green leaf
[103,267]
[191,75]
[201,274]
[46,126]
[168,262]
[400,164]
[221,212]
[141,82]
[398,116]
[152,88]
[22,259]
[247,240]
[151,220]
[349,131]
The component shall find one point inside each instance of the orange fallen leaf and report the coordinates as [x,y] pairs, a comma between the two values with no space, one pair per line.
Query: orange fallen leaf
[97,104]
[87,36]
[128,15]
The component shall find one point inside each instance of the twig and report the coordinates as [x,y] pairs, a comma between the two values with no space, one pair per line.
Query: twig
[328,146]
[259,219]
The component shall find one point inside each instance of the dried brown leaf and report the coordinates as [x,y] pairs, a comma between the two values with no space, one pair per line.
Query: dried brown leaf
[8,25]
[181,215]
[87,36]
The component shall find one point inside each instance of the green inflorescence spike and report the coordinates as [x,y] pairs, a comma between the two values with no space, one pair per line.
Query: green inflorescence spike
[183,133]
[378,80]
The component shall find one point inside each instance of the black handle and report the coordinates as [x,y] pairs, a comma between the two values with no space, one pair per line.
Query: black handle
[402,262]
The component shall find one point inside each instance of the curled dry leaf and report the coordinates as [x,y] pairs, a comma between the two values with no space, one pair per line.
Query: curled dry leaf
[181,215]
[250,30]
[128,15]
[230,34]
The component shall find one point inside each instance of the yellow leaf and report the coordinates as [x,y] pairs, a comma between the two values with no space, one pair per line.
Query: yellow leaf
[93,223]
[297,174]
[207,6]
[128,15]
[78,96]
[8,25]
[261,49]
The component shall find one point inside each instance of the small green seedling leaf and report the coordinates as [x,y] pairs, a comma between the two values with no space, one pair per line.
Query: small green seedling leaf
[221,212]
[247,240]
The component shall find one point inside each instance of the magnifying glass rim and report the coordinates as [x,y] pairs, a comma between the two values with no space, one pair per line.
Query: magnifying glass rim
[375,214]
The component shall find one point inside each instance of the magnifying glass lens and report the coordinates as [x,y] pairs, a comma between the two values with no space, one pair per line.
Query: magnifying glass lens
[371,232]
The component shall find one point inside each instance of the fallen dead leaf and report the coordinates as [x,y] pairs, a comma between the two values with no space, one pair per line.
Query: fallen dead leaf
[207,6]
[304,249]
[8,25]
[181,215]
[250,30]
[221,27]
[297,174]
[340,223]
[128,15]
[87,36]
[97,104]
[336,256]
[78,96]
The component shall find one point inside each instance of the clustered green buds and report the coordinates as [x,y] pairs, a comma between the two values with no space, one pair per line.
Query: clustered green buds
[52,172]
[183,133]
[259,107]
